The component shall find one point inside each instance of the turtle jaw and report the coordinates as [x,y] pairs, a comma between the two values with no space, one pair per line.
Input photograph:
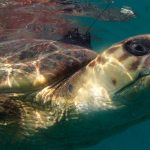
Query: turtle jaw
[135,97]
[143,77]
[143,82]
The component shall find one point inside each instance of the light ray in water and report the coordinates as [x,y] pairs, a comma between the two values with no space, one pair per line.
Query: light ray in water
[39,78]
[9,70]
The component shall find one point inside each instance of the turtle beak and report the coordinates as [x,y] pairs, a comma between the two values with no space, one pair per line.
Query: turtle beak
[143,77]
[144,72]
[147,81]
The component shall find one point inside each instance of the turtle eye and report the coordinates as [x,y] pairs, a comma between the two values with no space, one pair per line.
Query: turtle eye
[138,47]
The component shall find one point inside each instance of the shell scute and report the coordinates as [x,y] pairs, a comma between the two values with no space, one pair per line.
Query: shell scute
[26,65]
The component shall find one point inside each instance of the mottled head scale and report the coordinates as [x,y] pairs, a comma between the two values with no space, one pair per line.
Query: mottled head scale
[125,62]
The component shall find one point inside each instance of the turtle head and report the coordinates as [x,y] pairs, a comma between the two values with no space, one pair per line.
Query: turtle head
[125,68]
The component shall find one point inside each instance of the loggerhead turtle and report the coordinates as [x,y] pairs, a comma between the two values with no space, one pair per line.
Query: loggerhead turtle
[60,96]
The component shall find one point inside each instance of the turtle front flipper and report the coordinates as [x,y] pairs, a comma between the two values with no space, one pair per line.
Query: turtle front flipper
[20,119]
[10,118]
[9,111]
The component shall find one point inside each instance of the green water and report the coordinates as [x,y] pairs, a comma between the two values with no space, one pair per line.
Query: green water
[136,137]
[110,32]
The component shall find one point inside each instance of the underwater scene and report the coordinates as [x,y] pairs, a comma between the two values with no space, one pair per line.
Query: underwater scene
[74,74]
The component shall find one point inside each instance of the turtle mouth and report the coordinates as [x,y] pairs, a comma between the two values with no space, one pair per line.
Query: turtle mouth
[142,74]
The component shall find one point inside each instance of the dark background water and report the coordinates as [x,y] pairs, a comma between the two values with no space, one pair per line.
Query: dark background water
[136,137]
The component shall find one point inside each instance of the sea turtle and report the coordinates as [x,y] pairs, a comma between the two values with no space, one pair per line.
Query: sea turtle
[60,96]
